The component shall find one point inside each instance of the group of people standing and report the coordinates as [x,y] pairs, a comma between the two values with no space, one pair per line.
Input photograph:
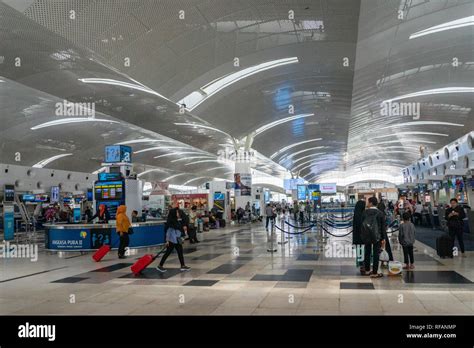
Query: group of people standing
[370,230]
[370,224]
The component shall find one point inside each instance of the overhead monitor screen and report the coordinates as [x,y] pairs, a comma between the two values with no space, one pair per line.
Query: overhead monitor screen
[54,194]
[9,193]
[292,184]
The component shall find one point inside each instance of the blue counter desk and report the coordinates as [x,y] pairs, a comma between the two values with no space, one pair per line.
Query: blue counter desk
[87,237]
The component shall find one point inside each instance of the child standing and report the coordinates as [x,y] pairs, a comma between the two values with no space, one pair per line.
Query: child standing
[406,237]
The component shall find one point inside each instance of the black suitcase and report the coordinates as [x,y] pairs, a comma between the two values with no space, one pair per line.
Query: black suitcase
[221,223]
[444,246]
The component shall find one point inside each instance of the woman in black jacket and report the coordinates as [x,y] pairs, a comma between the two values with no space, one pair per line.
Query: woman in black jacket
[356,230]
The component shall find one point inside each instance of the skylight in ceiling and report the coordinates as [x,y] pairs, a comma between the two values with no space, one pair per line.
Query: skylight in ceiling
[196,98]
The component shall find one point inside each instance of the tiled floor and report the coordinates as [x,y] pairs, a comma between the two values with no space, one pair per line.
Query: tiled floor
[232,273]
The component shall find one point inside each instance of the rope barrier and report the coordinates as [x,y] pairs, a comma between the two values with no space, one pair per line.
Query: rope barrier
[336,226]
[286,222]
[344,235]
[308,229]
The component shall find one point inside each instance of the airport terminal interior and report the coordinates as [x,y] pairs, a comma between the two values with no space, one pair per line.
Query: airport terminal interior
[291,157]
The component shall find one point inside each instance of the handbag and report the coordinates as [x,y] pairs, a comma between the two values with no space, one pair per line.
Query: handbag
[130,231]
[384,256]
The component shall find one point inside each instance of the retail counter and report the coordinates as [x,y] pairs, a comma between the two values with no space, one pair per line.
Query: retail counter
[86,237]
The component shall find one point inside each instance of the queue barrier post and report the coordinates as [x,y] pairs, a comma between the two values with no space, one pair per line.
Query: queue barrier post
[272,249]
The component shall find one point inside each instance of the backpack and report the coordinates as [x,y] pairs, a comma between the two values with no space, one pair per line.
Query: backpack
[370,229]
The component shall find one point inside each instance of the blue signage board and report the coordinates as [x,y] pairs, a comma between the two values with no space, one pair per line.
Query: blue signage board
[118,153]
[8,222]
[110,176]
[313,187]
[218,196]
[291,184]
[28,198]
[60,239]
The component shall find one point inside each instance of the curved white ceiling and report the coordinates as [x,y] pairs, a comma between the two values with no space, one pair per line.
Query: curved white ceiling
[311,89]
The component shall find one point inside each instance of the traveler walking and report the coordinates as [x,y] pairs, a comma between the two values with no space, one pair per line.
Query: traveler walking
[176,227]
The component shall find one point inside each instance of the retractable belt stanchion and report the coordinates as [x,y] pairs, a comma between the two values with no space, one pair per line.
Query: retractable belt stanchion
[272,249]
[282,232]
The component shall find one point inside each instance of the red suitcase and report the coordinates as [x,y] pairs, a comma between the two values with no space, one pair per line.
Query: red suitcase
[144,261]
[99,254]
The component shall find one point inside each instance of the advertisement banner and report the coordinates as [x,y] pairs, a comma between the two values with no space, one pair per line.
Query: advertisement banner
[301,192]
[243,184]
[8,221]
[160,188]
[327,188]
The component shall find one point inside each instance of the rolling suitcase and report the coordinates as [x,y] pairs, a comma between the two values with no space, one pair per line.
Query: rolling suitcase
[444,246]
[222,223]
[144,261]
[101,252]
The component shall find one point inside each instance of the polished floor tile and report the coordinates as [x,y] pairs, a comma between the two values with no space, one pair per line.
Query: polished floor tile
[201,282]
[435,277]
[296,280]
[357,286]
[114,267]
[225,269]
[69,280]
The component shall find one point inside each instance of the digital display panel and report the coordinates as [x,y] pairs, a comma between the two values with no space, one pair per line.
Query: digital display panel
[301,192]
[292,184]
[110,176]
[112,154]
[54,194]
[109,190]
[28,198]
[9,193]
[90,195]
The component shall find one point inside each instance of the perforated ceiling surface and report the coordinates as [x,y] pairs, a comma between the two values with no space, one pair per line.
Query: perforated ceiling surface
[351,56]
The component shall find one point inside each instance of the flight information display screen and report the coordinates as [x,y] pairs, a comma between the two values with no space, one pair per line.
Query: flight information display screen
[109,190]
[9,193]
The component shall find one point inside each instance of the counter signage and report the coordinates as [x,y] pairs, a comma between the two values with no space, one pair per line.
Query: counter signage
[100,236]
[72,240]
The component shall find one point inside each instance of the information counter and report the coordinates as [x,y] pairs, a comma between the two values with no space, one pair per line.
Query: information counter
[89,237]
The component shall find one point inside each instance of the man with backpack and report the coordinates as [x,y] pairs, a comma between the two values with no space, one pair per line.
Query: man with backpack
[373,237]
